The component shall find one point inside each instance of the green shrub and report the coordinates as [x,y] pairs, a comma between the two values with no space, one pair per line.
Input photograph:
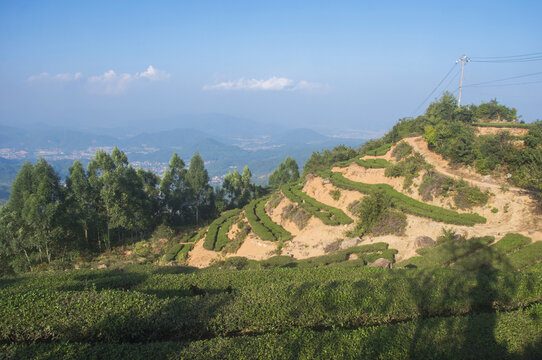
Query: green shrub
[468,196]
[372,209]
[435,184]
[240,237]
[409,168]
[355,207]
[335,194]
[278,231]
[401,151]
[379,151]
[182,255]
[257,227]
[162,232]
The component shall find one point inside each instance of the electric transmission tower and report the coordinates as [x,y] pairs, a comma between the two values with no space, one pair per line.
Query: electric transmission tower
[464,59]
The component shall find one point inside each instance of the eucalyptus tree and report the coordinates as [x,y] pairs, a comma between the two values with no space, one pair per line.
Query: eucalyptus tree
[200,192]
[238,188]
[174,190]
[81,201]
[287,171]
[30,219]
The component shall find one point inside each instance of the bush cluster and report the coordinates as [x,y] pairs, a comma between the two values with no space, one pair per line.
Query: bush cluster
[409,168]
[401,151]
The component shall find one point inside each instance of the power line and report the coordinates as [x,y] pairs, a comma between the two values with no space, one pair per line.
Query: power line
[505,79]
[501,85]
[435,89]
[521,60]
[452,79]
[505,57]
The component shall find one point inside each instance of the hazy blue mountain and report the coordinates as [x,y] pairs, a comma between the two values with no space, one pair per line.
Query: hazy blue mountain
[225,143]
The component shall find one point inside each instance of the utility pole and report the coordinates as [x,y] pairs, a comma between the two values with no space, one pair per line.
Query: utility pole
[464,59]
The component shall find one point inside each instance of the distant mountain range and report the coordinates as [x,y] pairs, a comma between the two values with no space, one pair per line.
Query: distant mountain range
[225,143]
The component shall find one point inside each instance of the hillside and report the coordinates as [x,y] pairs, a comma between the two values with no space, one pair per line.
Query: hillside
[508,209]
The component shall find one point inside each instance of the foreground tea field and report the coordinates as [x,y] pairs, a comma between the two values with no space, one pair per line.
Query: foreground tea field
[310,313]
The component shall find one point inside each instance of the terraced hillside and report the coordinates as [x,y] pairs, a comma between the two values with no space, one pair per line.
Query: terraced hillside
[303,220]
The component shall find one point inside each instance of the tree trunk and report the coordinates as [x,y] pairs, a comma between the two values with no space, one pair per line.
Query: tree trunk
[39,252]
[28,259]
[85,230]
[47,253]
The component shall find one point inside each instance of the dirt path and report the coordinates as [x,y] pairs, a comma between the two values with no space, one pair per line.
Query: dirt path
[442,166]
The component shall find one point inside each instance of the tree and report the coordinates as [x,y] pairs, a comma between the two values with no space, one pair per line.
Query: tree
[238,189]
[30,218]
[81,201]
[287,171]
[41,207]
[198,181]
[492,110]
[174,190]
[443,109]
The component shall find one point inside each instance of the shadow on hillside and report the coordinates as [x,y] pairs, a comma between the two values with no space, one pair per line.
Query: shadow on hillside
[176,269]
[175,319]
[120,279]
[117,279]
[469,336]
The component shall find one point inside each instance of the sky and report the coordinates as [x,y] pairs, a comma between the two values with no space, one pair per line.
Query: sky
[339,67]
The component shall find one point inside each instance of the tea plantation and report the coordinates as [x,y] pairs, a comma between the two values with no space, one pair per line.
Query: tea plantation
[434,309]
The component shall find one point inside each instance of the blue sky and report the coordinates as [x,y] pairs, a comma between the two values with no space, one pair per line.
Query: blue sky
[333,66]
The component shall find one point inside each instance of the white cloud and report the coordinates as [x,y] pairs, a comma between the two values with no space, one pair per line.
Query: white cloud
[272,84]
[58,77]
[153,74]
[108,83]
